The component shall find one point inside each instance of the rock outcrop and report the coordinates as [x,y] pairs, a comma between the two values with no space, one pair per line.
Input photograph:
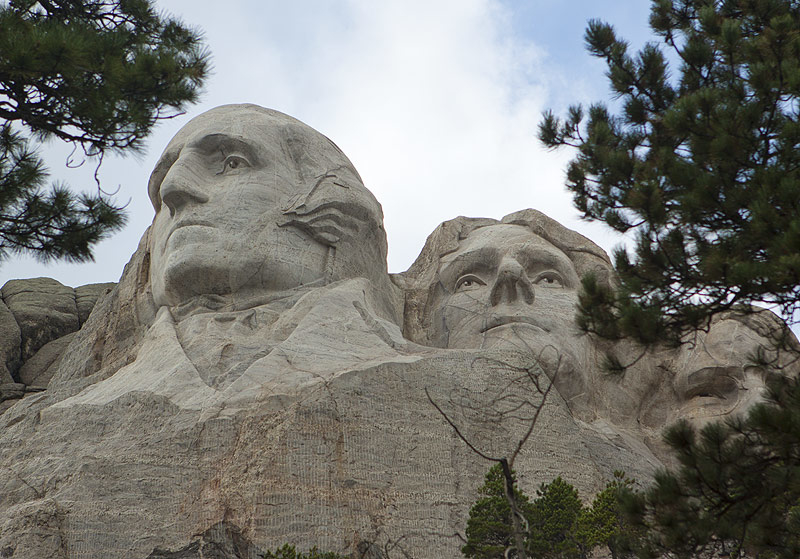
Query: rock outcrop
[257,377]
[38,319]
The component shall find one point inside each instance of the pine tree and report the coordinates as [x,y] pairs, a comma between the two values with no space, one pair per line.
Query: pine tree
[554,522]
[604,522]
[288,551]
[489,527]
[95,73]
[701,164]
[737,488]
[557,524]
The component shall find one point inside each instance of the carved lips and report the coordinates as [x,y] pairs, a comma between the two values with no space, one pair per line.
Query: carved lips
[188,223]
[501,320]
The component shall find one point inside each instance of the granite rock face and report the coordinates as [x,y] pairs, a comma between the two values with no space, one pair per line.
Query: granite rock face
[258,378]
[38,318]
[221,541]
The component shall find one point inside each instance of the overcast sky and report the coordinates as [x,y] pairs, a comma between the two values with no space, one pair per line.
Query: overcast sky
[436,102]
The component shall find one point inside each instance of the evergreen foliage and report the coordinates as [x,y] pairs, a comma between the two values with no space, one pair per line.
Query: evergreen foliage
[489,527]
[605,523]
[554,522]
[95,73]
[702,164]
[737,488]
[289,552]
[558,526]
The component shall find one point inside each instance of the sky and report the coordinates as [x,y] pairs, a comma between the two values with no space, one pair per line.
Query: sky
[436,103]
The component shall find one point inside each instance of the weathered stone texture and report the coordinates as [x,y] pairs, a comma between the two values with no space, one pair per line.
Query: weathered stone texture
[37,318]
[86,297]
[257,378]
[362,457]
[44,310]
[10,341]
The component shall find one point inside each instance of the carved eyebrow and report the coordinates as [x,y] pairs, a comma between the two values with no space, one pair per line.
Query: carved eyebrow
[479,258]
[209,144]
[212,143]
[481,254]
[545,257]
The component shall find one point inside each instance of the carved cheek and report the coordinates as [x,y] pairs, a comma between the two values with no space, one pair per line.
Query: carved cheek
[160,231]
[463,317]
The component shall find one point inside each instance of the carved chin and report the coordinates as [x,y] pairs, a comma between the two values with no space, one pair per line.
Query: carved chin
[184,275]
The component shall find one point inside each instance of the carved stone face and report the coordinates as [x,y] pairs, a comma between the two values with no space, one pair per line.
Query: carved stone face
[222,191]
[506,287]
[714,377]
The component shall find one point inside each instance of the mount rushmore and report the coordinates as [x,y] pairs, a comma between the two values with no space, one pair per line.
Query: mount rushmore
[257,376]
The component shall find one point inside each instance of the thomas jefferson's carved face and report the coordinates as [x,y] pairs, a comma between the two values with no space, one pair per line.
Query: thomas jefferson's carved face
[506,287]
[223,189]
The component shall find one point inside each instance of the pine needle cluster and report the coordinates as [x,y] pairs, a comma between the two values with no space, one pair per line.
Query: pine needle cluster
[701,165]
[99,75]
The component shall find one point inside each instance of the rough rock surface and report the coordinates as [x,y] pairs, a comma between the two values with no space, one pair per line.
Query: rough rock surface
[44,310]
[10,341]
[221,541]
[363,456]
[257,378]
[37,317]
[37,371]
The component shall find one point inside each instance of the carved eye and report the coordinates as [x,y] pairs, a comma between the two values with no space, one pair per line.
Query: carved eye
[232,163]
[549,279]
[713,382]
[468,281]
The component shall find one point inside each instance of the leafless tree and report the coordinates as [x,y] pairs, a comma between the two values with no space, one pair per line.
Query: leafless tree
[518,396]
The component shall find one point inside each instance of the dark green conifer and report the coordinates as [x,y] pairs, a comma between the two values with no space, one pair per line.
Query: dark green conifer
[701,163]
[554,522]
[490,527]
[288,551]
[98,74]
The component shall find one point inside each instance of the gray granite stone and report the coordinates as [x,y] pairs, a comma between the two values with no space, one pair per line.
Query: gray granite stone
[257,378]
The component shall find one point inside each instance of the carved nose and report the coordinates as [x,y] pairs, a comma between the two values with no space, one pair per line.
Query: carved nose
[181,187]
[512,284]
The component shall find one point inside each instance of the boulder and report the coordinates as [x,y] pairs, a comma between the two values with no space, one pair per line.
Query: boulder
[87,295]
[39,369]
[44,310]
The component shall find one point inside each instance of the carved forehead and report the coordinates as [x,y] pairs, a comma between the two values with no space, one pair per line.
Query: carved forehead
[248,121]
[485,248]
[268,132]
[495,240]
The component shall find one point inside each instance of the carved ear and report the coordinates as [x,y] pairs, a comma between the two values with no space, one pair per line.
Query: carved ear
[332,209]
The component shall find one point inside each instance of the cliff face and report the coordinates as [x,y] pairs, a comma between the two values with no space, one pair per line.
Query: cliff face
[257,377]
[329,436]
[361,457]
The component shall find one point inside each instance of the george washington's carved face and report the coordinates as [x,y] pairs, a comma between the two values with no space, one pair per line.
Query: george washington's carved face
[228,190]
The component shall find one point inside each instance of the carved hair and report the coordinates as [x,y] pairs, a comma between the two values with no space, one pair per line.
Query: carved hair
[421,281]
